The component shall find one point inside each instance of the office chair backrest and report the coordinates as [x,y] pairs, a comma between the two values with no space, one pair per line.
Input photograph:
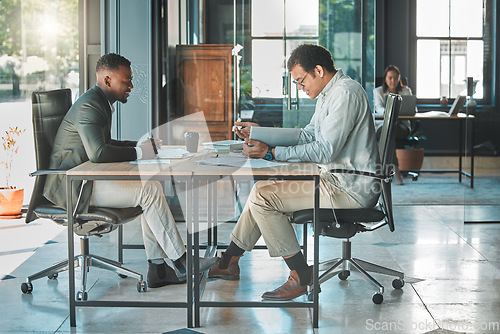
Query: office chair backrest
[48,111]
[387,143]
[387,150]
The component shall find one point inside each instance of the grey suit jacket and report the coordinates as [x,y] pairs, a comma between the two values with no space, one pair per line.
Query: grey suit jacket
[84,134]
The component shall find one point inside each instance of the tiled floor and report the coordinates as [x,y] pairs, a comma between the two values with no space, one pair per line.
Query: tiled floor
[452,283]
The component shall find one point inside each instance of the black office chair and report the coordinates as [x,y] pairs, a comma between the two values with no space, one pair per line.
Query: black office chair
[345,223]
[49,109]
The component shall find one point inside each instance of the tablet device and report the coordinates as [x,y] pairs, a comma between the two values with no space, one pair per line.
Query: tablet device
[275,136]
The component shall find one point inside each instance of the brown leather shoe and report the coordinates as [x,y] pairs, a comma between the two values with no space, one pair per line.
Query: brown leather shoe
[290,290]
[231,273]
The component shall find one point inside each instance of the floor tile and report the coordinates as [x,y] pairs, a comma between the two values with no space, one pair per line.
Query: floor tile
[452,275]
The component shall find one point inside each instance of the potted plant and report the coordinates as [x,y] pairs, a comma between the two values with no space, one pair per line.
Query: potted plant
[410,155]
[11,198]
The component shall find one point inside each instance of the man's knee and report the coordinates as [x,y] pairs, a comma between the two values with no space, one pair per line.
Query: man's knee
[152,189]
[265,196]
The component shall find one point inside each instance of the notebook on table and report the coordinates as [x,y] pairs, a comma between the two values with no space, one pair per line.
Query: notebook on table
[455,108]
[408,105]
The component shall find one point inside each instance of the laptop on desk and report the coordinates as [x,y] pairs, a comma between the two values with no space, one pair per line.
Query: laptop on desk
[408,105]
[455,108]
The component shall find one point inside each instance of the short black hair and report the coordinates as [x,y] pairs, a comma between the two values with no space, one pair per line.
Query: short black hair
[111,61]
[310,55]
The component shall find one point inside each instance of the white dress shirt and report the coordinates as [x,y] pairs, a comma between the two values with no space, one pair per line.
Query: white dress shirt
[138,150]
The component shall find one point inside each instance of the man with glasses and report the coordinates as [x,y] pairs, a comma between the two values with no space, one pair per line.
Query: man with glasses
[340,135]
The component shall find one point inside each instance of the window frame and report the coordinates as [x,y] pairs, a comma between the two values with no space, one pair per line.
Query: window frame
[489,56]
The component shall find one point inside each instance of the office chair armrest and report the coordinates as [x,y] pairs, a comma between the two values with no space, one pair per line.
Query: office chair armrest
[48,172]
[382,177]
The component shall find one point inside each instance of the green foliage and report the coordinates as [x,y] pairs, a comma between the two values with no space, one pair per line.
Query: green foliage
[10,28]
[340,32]
[38,42]
[246,87]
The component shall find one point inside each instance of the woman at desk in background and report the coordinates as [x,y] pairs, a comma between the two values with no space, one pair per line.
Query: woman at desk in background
[392,84]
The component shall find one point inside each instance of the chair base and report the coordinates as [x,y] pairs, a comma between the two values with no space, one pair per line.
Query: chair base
[342,266]
[85,261]
[412,174]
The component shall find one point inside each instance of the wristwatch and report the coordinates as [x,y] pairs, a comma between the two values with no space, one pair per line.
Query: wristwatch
[269,154]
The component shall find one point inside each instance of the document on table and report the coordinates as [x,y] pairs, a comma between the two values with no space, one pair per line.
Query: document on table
[232,161]
[173,153]
[227,145]
[433,113]
[150,161]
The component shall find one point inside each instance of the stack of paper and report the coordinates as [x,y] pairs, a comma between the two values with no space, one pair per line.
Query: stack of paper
[224,145]
[172,153]
[150,161]
[433,113]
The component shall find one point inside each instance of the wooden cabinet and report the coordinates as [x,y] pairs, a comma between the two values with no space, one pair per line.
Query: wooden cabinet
[204,84]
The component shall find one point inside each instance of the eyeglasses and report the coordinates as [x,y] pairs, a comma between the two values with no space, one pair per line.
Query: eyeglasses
[301,81]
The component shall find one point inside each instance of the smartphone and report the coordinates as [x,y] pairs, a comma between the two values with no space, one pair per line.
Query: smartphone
[154,145]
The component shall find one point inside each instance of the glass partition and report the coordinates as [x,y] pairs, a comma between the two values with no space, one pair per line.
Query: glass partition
[38,51]
[482,201]
[269,31]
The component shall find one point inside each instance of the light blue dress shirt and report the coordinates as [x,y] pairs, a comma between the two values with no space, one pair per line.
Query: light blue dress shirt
[341,134]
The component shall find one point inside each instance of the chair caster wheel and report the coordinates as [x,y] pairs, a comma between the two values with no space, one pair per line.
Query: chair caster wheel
[26,288]
[53,276]
[398,283]
[378,298]
[310,295]
[344,274]
[142,286]
[82,295]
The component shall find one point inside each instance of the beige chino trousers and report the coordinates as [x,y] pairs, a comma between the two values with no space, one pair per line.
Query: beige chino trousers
[160,234]
[268,206]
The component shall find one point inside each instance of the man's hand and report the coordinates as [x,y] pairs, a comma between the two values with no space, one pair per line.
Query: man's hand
[242,129]
[147,149]
[255,148]
[148,141]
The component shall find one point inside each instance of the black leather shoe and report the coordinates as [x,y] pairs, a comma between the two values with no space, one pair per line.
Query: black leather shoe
[161,274]
[179,265]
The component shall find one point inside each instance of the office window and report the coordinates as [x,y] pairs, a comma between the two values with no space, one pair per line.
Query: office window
[453,39]
[38,51]
[276,29]
[38,46]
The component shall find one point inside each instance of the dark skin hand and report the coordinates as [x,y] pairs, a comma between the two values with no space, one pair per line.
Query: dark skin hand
[252,148]
[147,148]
